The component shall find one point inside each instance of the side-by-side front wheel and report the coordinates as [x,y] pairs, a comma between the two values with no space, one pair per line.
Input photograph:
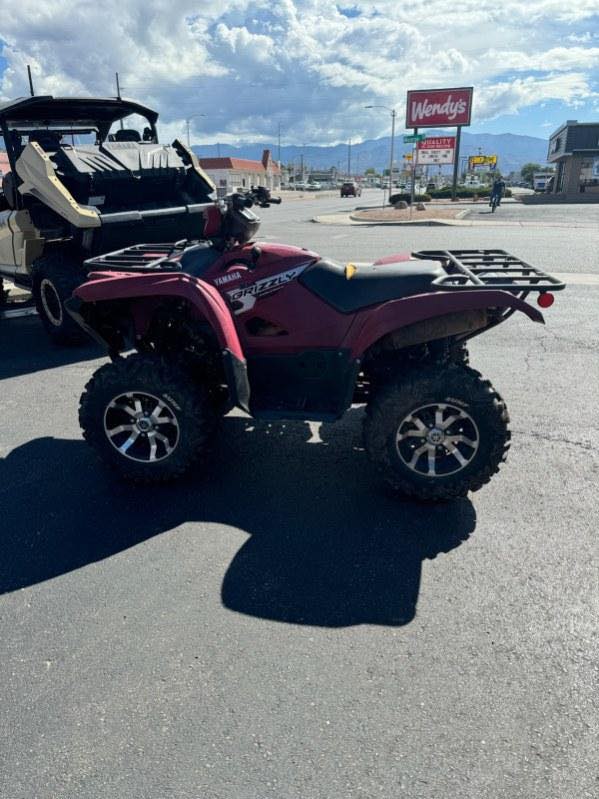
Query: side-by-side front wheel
[438,432]
[146,417]
[54,278]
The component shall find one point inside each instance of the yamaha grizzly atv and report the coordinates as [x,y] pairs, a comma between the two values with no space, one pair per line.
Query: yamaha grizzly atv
[282,333]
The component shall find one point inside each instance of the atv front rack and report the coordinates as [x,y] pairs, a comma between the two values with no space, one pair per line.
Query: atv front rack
[473,270]
[139,258]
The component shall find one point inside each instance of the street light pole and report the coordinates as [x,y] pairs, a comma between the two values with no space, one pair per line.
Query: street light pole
[391,156]
[393,115]
[187,124]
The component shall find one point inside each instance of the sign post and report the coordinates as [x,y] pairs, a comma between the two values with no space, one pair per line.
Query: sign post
[456,163]
[432,108]
[415,139]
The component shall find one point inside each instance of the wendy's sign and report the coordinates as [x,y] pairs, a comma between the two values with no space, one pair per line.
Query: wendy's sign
[433,108]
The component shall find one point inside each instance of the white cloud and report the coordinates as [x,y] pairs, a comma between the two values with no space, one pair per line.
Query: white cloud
[556,59]
[510,97]
[252,64]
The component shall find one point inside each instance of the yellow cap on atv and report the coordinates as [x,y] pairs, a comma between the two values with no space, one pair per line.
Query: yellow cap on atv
[350,271]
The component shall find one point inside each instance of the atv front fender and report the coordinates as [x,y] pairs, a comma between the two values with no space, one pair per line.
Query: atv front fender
[201,296]
[145,291]
[372,325]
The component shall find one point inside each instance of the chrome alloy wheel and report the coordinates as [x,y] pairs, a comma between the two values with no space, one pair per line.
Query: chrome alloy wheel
[437,440]
[51,302]
[141,427]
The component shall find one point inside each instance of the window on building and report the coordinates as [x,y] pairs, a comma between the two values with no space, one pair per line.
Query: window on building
[589,176]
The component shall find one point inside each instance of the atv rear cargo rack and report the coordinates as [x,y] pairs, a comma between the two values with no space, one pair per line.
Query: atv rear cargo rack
[473,270]
[139,258]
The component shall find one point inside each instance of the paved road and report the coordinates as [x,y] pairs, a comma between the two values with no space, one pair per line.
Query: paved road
[563,249]
[280,626]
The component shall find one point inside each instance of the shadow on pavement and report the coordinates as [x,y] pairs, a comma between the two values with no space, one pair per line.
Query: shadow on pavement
[327,546]
[25,348]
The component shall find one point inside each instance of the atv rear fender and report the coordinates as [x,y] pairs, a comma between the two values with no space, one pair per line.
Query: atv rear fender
[145,291]
[426,317]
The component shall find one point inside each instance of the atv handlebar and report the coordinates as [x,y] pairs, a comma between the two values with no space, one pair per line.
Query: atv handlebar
[257,195]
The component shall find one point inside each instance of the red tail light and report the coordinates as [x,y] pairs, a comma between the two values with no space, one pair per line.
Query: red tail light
[545,299]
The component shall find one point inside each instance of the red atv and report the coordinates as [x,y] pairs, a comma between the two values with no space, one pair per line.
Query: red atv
[282,333]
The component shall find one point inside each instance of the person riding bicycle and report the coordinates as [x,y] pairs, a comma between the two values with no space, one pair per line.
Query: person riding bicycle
[497,190]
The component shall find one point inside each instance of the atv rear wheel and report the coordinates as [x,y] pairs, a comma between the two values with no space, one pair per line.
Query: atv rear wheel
[54,278]
[437,433]
[146,417]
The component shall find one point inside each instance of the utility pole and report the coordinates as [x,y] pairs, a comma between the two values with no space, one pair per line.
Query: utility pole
[349,159]
[279,153]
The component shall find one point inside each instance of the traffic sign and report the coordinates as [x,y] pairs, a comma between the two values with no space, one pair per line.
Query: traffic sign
[414,137]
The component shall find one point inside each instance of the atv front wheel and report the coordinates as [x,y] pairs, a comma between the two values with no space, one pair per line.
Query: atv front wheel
[54,277]
[437,434]
[146,417]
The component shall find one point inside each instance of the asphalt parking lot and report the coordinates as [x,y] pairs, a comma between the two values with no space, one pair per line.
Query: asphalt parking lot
[278,625]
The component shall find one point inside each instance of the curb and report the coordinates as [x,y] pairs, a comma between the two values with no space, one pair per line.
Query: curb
[417,222]
[349,220]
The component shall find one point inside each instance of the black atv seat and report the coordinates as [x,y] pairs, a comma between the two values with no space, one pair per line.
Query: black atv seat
[370,285]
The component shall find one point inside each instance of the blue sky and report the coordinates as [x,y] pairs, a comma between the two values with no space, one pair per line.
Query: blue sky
[240,68]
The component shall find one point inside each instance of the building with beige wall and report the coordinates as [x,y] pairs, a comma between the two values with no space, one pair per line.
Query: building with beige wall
[231,174]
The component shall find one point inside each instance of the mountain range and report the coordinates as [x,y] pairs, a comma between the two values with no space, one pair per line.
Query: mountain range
[512,150]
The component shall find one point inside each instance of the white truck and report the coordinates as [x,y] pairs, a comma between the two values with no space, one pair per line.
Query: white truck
[540,180]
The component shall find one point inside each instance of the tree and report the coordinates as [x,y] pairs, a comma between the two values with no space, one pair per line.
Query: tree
[528,171]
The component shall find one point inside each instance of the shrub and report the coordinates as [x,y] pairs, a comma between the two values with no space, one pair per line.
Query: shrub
[464,193]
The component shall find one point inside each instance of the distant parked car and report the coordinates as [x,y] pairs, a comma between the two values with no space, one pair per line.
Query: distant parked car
[350,190]
[402,196]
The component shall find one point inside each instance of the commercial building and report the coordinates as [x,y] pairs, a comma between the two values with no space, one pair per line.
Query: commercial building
[231,174]
[574,149]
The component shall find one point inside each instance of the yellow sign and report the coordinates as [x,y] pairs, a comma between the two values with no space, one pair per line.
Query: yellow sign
[481,161]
